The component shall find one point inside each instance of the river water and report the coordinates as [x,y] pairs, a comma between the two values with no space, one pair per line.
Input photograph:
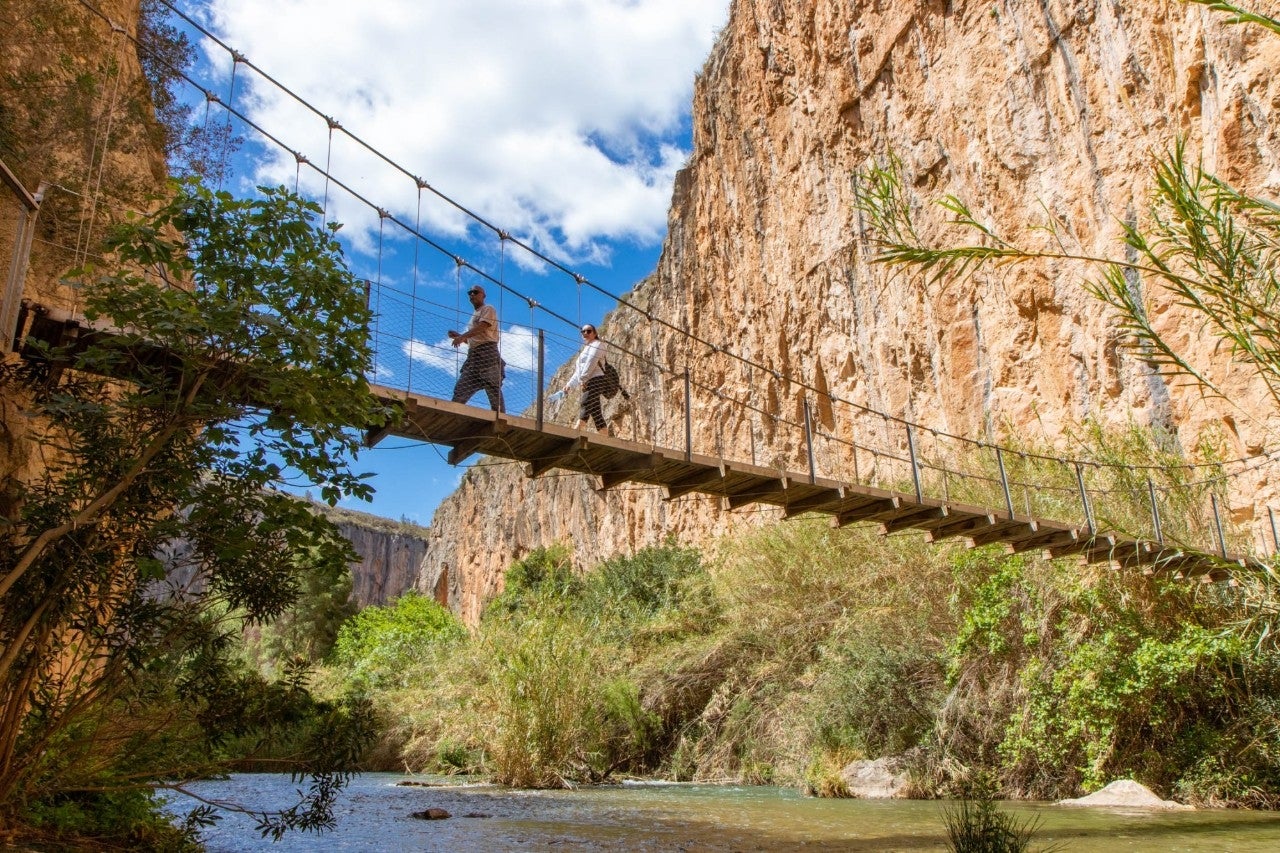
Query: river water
[374,814]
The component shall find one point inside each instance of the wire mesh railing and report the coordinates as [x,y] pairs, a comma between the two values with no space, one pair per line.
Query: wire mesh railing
[766,420]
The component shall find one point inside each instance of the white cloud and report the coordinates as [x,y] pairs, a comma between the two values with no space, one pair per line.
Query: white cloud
[438,356]
[558,120]
[518,345]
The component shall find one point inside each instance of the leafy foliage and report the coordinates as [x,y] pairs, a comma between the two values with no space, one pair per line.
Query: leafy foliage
[376,647]
[238,359]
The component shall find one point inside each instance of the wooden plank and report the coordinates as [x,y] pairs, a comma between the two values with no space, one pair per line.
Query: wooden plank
[645,465]
[694,482]
[562,452]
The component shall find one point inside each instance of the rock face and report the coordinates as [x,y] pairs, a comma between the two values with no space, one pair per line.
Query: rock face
[391,556]
[1026,110]
[76,120]
[881,779]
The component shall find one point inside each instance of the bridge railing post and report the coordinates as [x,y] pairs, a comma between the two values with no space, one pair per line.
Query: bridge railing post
[1155,513]
[1084,500]
[1275,534]
[915,464]
[1217,524]
[542,370]
[1004,481]
[688,415]
[808,441]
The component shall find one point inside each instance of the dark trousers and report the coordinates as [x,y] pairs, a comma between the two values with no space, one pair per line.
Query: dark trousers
[589,406]
[482,369]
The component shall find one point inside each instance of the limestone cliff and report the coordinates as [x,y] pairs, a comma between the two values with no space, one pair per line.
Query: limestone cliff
[391,554]
[1026,110]
[76,119]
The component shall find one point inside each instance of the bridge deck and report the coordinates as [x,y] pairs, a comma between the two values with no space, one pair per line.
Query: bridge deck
[544,446]
[467,430]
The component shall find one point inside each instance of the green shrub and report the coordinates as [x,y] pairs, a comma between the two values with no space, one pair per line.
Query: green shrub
[976,825]
[543,573]
[380,646]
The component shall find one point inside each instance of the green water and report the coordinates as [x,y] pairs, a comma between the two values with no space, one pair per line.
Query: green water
[374,814]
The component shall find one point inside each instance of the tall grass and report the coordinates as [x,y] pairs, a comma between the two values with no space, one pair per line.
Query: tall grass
[794,649]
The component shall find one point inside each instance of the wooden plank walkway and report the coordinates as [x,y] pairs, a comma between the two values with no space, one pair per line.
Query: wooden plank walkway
[468,430]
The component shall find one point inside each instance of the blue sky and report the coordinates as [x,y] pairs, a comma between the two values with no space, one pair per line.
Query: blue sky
[562,122]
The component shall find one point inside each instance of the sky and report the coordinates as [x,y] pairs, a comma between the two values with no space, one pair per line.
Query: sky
[562,122]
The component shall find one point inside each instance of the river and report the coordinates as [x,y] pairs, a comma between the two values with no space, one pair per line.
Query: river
[373,814]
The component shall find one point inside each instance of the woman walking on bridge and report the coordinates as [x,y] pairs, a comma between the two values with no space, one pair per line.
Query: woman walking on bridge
[589,369]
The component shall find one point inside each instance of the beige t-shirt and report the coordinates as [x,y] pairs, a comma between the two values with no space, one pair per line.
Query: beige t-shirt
[484,326]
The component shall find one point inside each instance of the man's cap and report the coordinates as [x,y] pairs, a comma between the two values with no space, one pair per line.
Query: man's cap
[476,289]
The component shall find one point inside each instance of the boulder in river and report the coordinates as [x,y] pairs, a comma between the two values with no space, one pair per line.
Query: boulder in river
[431,814]
[881,779]
[1124,793]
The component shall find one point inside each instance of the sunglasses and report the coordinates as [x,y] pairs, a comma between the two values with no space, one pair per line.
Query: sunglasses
[586,331]
[472,292]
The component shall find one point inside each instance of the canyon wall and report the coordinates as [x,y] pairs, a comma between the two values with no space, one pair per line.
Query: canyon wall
[76,121]
[391,554]
[1027,110]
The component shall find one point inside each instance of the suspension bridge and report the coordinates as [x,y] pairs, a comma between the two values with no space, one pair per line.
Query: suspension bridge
[687,430]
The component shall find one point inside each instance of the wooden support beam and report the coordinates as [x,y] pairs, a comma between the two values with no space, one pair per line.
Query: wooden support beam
[759,491]
[1097,549]
[813,502]
[694,482]
[870,509]
[915,518]
[375,435]
[563,451]
[963,525]
[460,450]
[1129,555]
[1001,532]
[1048,539]
[1102,550]
[609,479]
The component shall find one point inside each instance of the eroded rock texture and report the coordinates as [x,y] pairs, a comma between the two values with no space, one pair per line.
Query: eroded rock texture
[1027,110]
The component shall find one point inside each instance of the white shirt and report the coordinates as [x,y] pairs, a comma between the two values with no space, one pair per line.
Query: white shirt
[590,363]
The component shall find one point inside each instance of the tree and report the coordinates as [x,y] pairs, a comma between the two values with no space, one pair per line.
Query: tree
[153,531]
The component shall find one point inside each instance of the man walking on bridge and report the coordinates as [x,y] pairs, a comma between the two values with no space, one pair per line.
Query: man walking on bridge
[483,366]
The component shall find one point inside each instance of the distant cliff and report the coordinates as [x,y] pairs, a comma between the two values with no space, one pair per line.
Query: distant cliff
[391,554]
